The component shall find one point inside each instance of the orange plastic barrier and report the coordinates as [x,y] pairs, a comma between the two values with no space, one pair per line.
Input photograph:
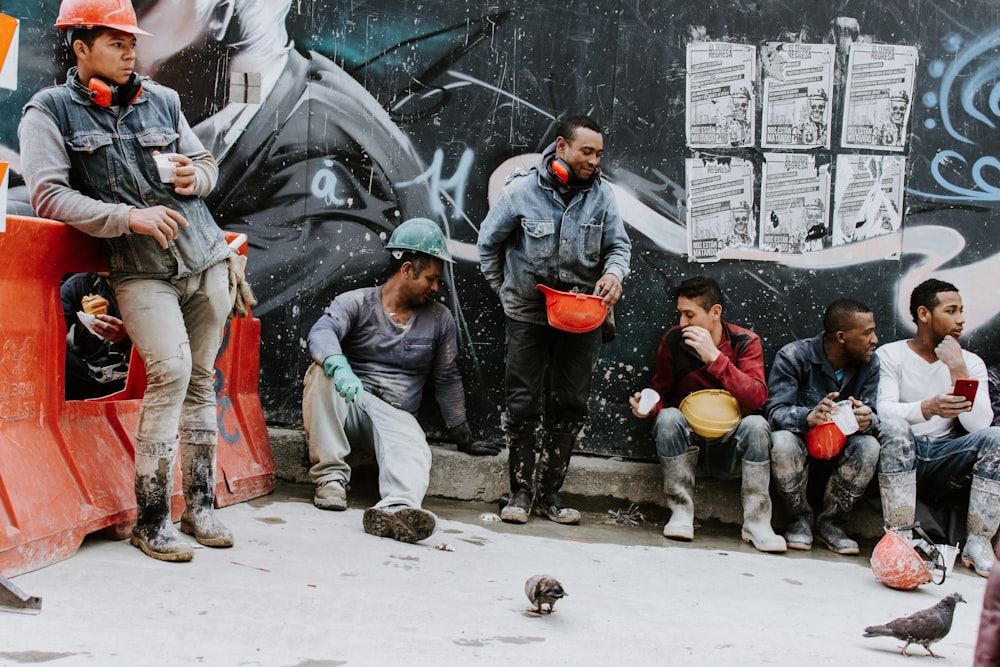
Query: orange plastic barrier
[66,467]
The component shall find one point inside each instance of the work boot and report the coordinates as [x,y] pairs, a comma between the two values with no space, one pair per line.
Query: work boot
[678,491]
[899,499]
[521,465]
[401,523]
[757,508]
[838,501]
[552,466]
[981,525]
[154,532]
[331,495]
[198,467]
[792,491]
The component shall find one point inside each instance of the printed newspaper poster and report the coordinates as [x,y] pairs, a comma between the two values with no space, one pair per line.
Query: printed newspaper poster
[721,96]
[877,96]
[798,89]
[868,197]
[720,206]
[794,204]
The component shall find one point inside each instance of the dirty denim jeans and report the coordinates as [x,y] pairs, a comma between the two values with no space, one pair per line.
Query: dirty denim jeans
[176,326]
[945,466]
[855,465]
[334,427]
[722,457]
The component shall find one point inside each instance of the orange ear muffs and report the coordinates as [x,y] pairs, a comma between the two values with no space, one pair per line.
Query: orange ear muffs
[105,94]
[560,170]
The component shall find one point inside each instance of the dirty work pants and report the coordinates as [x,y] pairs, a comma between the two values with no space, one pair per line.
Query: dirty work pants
[855,465]
[333,427]
[945,466]
[177,327]
[720,457]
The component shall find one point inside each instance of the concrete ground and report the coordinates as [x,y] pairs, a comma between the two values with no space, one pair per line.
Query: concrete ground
[308,588]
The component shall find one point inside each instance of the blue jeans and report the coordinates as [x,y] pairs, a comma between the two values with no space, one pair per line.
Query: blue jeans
[898,452]
[721,457]
[548,374]
[945,465]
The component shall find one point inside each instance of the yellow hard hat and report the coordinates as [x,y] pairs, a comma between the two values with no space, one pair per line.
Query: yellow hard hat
[711,413]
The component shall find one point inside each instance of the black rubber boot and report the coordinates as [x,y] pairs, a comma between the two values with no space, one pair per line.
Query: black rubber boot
[198,466]
[791,489]
[521,464]
[552,467]
[838,501]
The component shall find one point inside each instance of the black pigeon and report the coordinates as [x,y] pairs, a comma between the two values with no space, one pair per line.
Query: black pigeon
[541,588]
[923,627]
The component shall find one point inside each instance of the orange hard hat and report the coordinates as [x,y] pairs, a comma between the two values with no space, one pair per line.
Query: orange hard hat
[826,440]
[115,14]
[574,312]
[899,565]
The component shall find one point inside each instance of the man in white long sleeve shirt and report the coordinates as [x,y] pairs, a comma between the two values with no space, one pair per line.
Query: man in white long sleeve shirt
[956,447]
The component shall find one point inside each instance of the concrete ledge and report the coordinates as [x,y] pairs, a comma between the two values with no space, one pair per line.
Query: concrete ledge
[593,483]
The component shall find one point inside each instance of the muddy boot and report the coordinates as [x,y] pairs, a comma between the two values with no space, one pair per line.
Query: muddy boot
[401,523]
[792,491]
[154,533]
[678,491]
[838,501]
[757,508]
[899,499]
[984,515]
[198,466]
[552,466]
[521,463]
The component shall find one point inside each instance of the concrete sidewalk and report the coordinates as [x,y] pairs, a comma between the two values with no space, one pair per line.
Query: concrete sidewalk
[308,588]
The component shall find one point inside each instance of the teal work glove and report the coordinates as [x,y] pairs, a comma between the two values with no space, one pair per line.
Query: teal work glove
[345,381]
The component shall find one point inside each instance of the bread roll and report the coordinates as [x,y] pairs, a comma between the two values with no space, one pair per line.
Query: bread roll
[95,304]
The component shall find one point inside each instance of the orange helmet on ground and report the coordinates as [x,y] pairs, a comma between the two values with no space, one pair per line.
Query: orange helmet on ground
[574,312]
[899,565]
[115,14]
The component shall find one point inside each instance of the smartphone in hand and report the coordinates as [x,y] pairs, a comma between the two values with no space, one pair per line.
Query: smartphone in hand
[966,388]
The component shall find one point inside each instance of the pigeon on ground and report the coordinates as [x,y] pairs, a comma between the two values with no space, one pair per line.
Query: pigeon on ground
[541,588]
[923,627]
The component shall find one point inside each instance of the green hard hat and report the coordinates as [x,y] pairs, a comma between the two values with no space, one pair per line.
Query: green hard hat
[420,235]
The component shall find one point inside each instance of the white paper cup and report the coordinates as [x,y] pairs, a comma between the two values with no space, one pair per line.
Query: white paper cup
[844,418]
[648,399]
[950,553]
[165,166]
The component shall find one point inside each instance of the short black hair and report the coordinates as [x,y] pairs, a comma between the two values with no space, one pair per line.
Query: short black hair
[569,126]
[840,313]
[702,289]
[86,35]
[926,294]
[419,260]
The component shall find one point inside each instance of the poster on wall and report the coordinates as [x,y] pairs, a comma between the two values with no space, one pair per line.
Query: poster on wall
[877,96]
[798,89]
[721,96]
[720,206]
[794,204]
[868,196]
[8,52]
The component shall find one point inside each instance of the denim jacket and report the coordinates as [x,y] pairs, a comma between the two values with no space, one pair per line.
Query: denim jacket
[530,236]
[110,156]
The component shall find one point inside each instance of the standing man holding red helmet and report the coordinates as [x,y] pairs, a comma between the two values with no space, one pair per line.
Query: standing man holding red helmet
[88,151]
[556,225]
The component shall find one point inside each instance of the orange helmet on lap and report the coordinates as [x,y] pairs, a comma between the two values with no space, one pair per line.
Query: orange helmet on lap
[115,14]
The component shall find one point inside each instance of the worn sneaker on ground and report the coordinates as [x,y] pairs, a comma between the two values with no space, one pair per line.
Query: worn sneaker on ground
[403,524]
[331,496]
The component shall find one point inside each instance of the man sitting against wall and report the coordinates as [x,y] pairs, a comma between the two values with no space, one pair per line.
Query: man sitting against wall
[698,358]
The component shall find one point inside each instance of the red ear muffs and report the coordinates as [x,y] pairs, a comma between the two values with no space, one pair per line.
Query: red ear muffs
[560,170]
[105,95]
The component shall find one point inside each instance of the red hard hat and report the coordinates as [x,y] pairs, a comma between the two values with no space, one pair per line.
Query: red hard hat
[573,311]
[897,564]
[115,14]
[824,441]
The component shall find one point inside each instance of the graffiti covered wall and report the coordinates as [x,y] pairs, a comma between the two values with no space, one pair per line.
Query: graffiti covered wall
[332,122]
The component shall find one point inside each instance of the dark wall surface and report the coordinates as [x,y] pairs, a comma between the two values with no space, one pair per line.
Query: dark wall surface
[383,110]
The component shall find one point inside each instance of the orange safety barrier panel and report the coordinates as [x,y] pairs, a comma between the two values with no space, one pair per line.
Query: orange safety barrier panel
[67,467]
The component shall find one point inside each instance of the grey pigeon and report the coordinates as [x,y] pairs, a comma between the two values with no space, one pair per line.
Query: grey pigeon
[541,588]
[923,627]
